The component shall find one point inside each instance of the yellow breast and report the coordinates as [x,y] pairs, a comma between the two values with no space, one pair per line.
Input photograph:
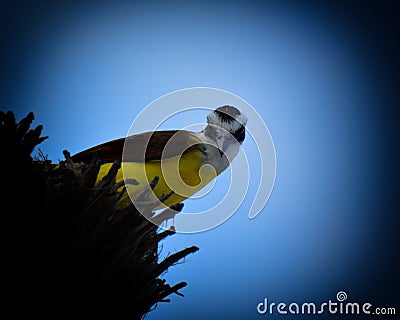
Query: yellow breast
[183,175]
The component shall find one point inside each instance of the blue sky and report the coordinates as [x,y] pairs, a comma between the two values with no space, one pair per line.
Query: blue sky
[86,71]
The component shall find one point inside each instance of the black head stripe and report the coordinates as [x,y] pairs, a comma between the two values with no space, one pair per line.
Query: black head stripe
[239,134]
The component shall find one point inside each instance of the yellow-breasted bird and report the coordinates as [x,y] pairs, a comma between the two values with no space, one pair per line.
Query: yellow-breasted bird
[184,161]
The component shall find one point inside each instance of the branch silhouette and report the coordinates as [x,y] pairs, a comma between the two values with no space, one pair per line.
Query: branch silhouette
[74,251]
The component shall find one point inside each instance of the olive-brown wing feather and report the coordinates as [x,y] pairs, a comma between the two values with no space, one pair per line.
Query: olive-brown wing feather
[140,147]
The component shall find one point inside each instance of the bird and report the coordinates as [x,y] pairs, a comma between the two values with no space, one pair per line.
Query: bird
[178,163]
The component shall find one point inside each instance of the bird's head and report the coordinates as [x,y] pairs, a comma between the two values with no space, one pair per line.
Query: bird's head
[226,127]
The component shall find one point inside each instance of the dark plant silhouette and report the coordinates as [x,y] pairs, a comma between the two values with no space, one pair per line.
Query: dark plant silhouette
[72,251]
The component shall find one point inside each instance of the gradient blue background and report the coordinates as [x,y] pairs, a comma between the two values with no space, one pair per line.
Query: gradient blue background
[322,77]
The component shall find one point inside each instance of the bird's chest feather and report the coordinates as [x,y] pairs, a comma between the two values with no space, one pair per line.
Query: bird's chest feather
[183,175]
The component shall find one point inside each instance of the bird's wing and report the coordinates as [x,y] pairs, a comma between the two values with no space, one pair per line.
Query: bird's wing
[145,146]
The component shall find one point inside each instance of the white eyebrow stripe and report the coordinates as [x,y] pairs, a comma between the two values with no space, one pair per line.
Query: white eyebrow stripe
[214,119]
